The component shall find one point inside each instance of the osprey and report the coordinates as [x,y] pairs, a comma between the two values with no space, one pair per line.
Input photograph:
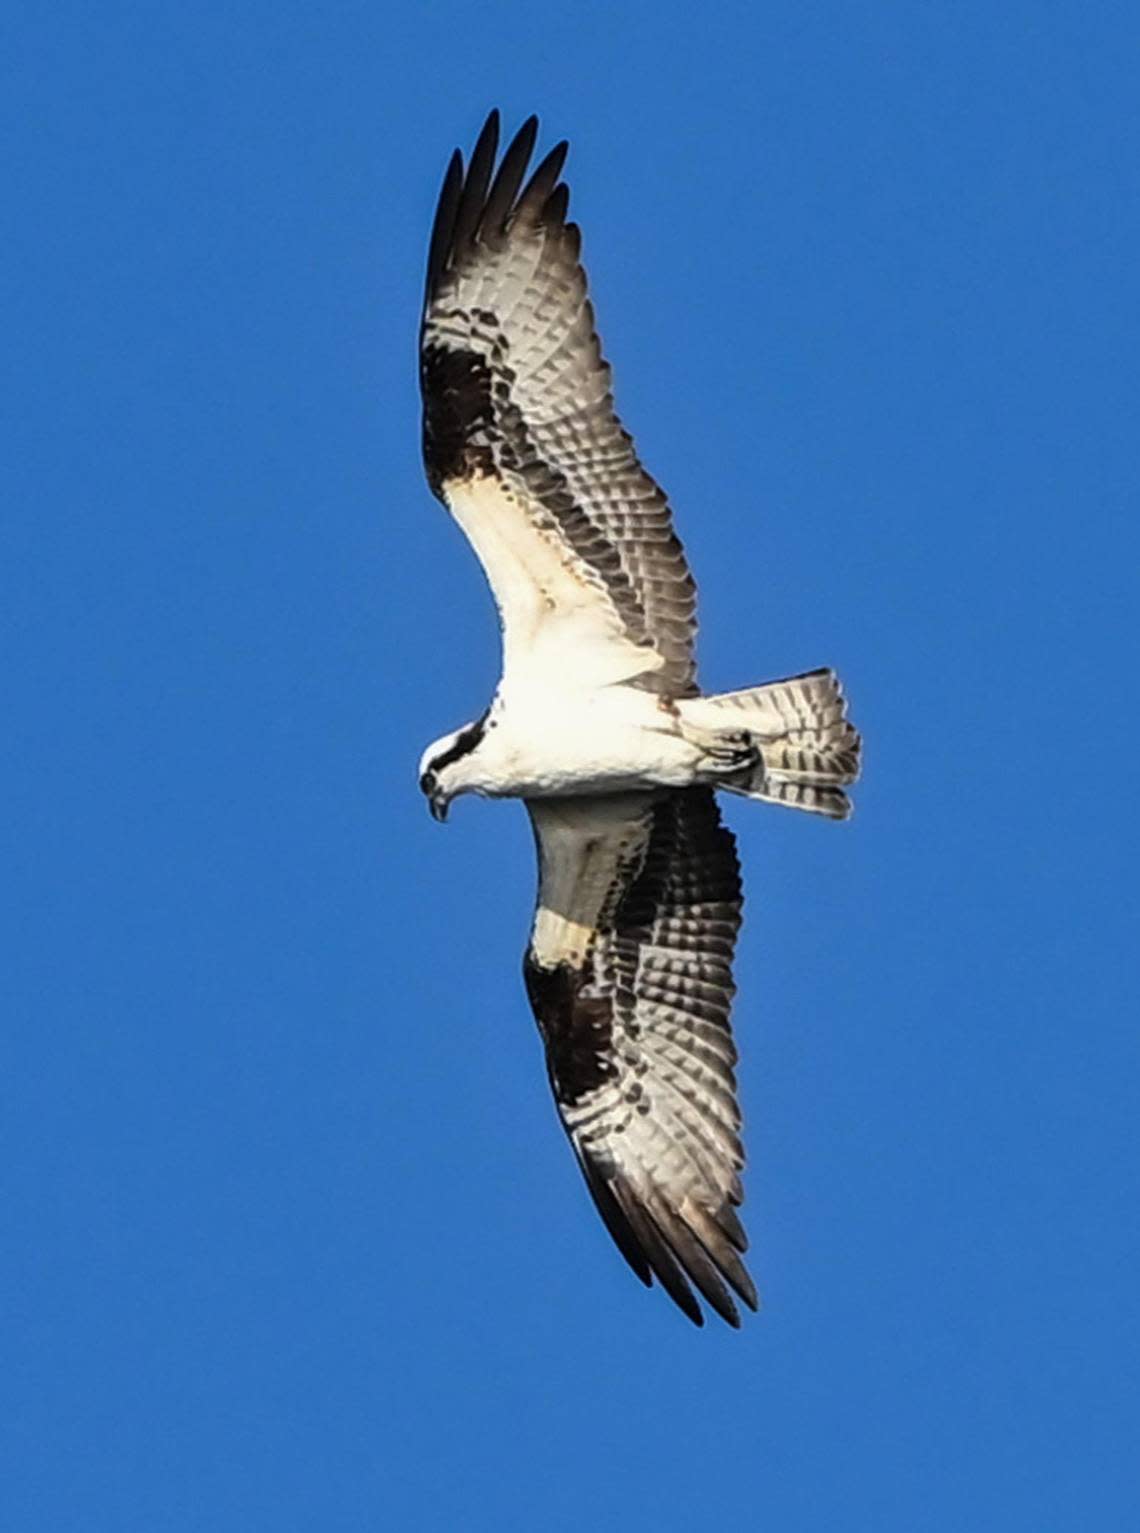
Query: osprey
[599,727]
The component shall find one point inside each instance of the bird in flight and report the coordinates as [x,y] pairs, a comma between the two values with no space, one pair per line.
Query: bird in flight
[598,724]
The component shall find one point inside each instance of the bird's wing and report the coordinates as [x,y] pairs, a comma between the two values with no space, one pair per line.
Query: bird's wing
[521,441]
[629,972]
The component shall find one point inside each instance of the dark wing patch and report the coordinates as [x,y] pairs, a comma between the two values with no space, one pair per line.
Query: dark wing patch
[576,1024]
[640,1056]
[515,386]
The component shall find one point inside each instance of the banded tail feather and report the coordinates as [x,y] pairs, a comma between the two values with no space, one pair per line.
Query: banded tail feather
[808,751]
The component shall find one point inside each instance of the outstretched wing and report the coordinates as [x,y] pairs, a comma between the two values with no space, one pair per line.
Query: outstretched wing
[521,441]
[629,972]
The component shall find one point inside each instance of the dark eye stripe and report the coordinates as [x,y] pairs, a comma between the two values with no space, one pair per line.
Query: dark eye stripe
[465,743]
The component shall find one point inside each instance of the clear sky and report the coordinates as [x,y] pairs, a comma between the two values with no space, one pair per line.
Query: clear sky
[291,1237]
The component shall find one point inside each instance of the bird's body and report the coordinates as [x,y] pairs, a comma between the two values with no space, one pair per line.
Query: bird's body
[598,724]
[549,743]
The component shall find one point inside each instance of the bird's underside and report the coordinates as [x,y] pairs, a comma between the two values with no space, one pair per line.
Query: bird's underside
[598,725]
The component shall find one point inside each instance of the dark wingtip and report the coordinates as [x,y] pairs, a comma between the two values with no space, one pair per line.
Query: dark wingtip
[556,205]
[477,180]
[472,205]
[542,183]
[658,1255]
[443,225]
[729,1221]
[488,133]
[742,1284]
[508,179]
[615,1221]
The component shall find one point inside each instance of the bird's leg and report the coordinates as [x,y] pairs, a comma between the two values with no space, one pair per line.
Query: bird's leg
[722,751]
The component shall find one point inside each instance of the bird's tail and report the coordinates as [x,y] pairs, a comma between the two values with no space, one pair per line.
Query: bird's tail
[806,751]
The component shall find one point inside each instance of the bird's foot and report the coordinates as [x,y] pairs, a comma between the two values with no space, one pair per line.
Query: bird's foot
[723,751]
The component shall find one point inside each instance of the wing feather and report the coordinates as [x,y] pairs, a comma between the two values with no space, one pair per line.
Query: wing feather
[508,179]
[629,975]
[443,227]
[542,183]
[475,186]
[521,439]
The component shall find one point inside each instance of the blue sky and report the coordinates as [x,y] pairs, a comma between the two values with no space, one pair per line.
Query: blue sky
[291,1237]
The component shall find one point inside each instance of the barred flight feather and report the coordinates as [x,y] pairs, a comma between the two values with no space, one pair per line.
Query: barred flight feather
[638,1048]
[516,391]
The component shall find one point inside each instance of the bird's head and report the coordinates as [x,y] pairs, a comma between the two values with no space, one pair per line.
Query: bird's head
[444,766]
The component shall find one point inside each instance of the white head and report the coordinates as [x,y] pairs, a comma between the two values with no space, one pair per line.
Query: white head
[443,766]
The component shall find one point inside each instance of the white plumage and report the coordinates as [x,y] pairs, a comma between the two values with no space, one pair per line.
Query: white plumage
[598,725]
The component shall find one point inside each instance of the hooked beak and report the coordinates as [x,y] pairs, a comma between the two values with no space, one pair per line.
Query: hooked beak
[437,803]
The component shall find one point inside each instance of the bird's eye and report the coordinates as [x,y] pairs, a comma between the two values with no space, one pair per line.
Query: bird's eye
[427,782]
